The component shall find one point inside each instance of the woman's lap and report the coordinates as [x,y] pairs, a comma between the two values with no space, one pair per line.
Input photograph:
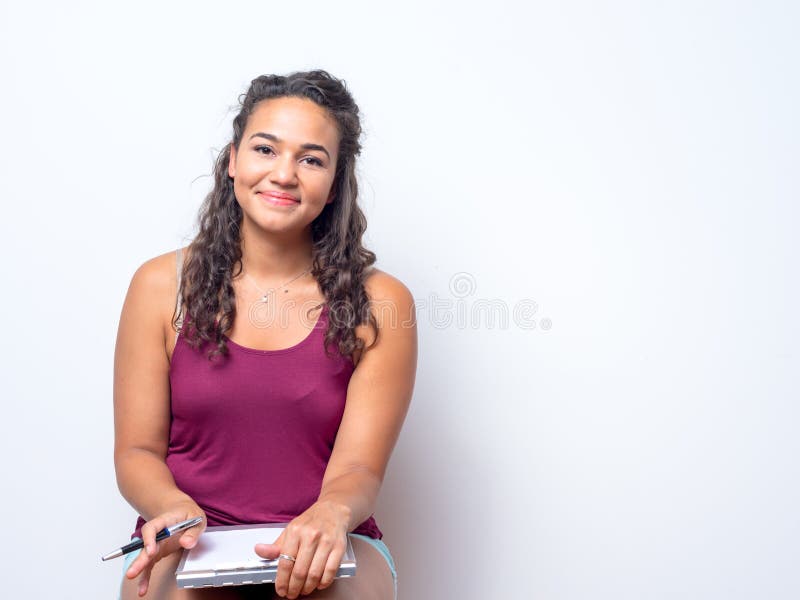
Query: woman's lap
[374,563]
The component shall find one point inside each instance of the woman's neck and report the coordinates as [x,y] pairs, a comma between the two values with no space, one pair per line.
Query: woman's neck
[269,258]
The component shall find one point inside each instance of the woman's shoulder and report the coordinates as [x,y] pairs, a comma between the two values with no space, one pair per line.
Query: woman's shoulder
[391,302]
[380,285]
[158,273]
[153,290]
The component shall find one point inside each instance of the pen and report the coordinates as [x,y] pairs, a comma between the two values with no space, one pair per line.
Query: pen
[161,535]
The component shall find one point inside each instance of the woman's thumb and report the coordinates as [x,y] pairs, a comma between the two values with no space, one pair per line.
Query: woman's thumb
[268,550]
[189,539]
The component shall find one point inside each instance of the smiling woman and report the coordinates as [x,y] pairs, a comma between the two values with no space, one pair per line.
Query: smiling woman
[231,401]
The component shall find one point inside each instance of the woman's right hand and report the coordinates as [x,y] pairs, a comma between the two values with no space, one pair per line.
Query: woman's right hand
[152,552]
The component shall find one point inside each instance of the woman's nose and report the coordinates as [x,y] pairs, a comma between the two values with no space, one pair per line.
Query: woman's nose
[283,170]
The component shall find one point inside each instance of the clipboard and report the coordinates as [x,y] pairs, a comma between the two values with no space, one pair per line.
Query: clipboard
[224,556]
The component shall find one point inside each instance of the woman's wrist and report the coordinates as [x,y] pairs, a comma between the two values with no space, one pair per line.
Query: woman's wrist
[147,483]
[341,509]
[353,493]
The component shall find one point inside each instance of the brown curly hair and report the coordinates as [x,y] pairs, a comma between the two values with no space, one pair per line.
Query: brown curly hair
[339,259]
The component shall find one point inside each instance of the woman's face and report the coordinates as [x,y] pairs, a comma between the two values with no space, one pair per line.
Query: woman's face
[284,167]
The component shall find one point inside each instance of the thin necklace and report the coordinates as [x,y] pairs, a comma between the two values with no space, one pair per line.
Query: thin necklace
[266,294]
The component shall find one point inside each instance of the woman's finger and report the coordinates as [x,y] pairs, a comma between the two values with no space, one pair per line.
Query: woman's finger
[144,580]
[144,559]
[138,564]
[290,546]
[315,572]
[302,566]
[332,564]
[272,550]
[149,531]
[190,536]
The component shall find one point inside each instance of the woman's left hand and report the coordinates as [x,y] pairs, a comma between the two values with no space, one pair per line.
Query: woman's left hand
[317,540]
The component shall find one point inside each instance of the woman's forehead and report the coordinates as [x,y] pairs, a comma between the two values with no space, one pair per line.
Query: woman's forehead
[294,120]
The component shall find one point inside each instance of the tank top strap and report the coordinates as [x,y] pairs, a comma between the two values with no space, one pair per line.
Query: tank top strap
[178,272]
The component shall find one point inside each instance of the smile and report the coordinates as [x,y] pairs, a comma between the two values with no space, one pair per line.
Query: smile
[278,198]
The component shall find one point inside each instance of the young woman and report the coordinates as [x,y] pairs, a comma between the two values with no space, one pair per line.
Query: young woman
[263,373]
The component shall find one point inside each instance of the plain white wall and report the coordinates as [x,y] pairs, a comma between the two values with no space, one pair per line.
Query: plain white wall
[622,174]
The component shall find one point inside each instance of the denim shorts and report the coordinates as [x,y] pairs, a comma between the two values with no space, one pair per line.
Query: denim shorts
[377,544]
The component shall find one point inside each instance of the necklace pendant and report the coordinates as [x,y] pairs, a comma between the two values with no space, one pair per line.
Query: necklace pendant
[265,298]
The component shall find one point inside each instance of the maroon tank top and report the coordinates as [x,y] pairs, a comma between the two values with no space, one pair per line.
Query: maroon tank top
[251,433]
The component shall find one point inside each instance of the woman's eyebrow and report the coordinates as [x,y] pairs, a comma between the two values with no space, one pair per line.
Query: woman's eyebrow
[277,140]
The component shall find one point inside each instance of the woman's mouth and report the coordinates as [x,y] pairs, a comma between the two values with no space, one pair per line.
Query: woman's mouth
[278,198]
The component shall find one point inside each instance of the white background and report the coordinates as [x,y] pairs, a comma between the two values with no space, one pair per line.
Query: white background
[629,167]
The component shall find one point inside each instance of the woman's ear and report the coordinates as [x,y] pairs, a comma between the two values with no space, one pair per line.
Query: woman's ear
[331,196]
[232,162]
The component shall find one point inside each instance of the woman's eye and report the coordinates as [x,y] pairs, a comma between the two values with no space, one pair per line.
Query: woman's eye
[267,150]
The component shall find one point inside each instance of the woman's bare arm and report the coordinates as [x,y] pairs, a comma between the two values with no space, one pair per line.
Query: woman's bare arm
[142,416]
[141,391]
[378,398]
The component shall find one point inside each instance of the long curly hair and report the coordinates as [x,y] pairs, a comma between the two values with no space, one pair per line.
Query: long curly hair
[339,260]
